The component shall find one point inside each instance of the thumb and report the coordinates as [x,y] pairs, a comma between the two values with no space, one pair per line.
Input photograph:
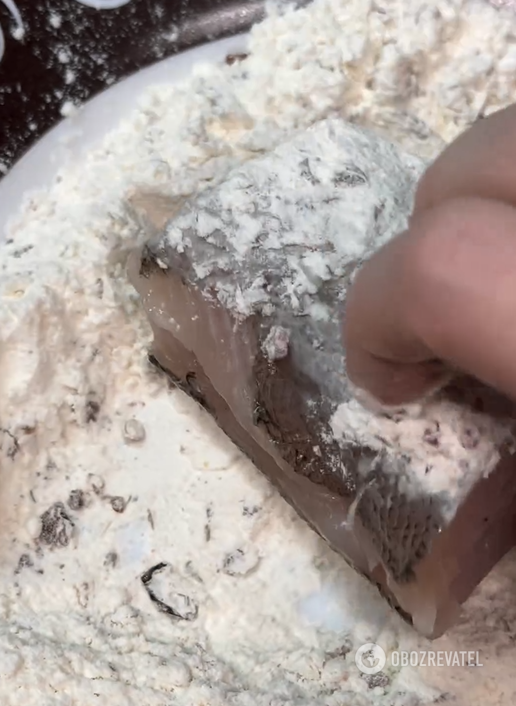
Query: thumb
[438,298]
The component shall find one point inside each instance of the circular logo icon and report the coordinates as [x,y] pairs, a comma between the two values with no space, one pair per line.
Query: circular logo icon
[370,658]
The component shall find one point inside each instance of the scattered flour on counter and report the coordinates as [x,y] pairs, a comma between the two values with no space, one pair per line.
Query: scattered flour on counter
[144,560]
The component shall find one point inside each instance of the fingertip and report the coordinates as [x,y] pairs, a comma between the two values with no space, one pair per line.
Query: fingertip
[383,356]
[384,384]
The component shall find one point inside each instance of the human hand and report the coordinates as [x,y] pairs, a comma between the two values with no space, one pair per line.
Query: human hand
[441,297]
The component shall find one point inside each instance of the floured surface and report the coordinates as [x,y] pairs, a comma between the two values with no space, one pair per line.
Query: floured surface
[73,373]
[242,573]
[446,446]
[306,214]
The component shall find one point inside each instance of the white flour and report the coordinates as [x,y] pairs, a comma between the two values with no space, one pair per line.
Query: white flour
[449,446]
[77,624]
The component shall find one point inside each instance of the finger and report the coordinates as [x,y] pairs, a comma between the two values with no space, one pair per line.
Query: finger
[384,356]
[480,162]
[443,293]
